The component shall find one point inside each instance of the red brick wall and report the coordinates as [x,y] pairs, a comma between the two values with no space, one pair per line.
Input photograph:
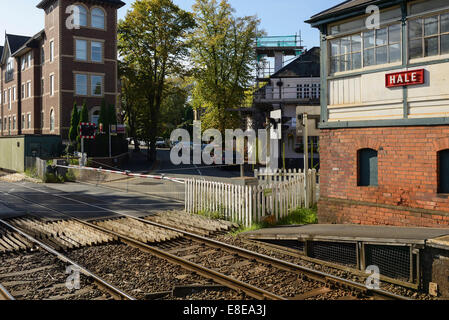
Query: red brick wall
[408,177]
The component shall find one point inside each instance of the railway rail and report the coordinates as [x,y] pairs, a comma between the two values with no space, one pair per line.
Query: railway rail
[35,270]
[201,254]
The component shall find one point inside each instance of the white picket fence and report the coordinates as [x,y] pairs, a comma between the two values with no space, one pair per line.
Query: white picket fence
[249,204]
[268,176]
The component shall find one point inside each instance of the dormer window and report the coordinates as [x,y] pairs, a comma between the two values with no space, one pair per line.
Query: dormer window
[97,18]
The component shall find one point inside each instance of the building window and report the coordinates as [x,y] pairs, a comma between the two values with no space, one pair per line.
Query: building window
[42,55]
[96,51]
[52,51]
[28,120]
[23,91]
[82,17]
[42,120]
[29,60]
[81,50]
[28,89]
[52,85]
[372,47]
[367,168]
[81,84]
[42,87]
[97,85]
[22,62]
[98,18]
[14,122]
[429,36]
[52,120]
[14,97]
[23,121]
[443,171]
[9,99]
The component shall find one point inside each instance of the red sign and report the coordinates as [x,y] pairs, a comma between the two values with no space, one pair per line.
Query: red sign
[406,78]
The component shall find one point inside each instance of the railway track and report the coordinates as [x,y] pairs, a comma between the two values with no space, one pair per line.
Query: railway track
[30,269]
[257,275]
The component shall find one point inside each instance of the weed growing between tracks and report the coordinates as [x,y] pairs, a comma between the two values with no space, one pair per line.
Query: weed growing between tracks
[299,216]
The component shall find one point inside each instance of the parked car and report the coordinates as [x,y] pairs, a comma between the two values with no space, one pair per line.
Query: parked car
[160,143]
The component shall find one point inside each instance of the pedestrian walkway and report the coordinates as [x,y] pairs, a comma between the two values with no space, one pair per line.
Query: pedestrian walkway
[347,232]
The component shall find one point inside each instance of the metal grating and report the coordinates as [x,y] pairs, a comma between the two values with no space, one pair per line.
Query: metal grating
[393,261]
[291,244]
[336,252]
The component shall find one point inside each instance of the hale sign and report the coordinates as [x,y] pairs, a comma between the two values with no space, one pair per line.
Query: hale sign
[406,78]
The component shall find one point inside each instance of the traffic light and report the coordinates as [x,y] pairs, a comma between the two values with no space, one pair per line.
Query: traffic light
[88,130]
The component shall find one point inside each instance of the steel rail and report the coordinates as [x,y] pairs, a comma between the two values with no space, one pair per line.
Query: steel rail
[285,265]
[102,283]
[232,283]
[4,294]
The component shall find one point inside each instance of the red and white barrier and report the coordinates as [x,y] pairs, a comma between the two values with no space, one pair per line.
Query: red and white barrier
[126,173]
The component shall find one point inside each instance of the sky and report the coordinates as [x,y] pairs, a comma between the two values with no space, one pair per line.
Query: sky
[278,17]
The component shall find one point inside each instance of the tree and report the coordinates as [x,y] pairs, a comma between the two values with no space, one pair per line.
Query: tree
[224,58]
[151,41]
[132,99]
[173,109]
[83,117]
[74,121]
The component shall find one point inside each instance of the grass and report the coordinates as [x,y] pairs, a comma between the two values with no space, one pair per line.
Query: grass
[32,173]
[299,216]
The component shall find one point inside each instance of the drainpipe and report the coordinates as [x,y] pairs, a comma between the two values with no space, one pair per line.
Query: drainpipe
[19,95]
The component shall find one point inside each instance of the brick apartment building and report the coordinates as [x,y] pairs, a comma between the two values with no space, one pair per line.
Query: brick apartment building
[384,143]
[43,75]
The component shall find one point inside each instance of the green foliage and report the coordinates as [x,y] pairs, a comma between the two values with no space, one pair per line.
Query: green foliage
[299,216]
[211,214]
[84,116]
[52,178]
[151,43]
[175,110]
[70,176]
[223,56]
[74,121]
[32,173]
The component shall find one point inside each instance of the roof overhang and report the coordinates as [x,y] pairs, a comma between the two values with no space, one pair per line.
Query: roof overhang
[33,42]
[326,17]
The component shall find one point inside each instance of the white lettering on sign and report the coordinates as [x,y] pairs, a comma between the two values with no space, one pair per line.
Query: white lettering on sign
[404,78]
[392,79]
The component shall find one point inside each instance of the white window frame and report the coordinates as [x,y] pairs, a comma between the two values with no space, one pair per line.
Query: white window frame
[52,85]
[52,50]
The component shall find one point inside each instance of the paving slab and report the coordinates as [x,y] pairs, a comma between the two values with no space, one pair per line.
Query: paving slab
[349,233]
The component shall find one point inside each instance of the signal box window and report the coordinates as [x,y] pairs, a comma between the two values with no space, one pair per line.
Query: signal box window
[443,171]
[367,167]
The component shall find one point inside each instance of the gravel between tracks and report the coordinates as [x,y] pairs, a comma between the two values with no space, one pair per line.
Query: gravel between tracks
[46,281]
[141,274]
